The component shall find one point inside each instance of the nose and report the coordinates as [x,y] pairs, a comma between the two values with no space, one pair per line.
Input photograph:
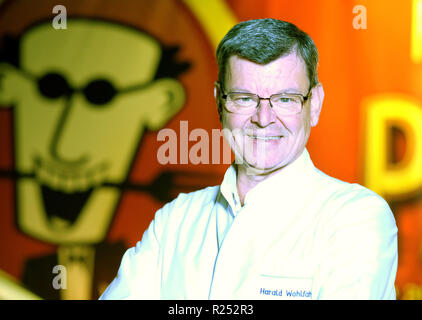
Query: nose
[264,115]
[58,136]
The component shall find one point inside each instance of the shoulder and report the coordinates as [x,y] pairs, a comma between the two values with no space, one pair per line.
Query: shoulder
[344,193]
[197,198]
[351,204]
[187,206]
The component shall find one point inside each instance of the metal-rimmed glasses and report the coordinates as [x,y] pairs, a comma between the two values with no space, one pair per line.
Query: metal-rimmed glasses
[281,103]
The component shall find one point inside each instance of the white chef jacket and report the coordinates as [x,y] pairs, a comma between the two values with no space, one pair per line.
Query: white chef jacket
[299,235]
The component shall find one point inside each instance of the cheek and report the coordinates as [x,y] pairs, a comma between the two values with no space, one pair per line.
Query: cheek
[231,121]
[298,125]
[293,125]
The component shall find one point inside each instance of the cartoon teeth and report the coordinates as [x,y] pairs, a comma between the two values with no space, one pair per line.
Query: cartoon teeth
[69,179]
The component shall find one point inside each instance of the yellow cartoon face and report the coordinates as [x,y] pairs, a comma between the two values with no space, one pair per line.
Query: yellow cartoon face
[82,98]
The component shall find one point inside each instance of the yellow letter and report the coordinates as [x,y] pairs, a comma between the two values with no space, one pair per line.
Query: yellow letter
[416,43]
[383,112]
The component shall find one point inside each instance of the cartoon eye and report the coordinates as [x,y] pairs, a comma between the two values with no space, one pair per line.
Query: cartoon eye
[99,92]
[53,85]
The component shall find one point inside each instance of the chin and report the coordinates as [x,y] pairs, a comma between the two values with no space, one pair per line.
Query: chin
[270,163]
[260,166]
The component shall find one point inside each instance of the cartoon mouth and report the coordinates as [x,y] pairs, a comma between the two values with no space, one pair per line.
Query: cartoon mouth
[65,190]
[65,206]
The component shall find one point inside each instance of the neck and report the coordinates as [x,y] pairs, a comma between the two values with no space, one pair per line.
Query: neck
[248,177]
[246,180]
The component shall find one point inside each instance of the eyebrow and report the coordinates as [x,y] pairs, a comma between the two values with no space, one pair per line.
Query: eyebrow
[288,90]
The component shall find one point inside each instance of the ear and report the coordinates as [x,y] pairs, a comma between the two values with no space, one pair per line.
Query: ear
[168,96]
[317,99]
[12,84]
[217,96]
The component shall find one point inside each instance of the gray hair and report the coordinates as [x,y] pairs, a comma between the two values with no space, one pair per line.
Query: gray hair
[264,40]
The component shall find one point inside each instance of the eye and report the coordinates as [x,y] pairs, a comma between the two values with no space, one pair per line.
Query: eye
[99,92]
[243,99]
[53,85]
[285,100]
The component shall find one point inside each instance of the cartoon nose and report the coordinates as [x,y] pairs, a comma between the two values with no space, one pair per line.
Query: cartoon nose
[264,114]
[56,146]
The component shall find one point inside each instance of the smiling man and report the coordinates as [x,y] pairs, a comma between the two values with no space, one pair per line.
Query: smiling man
[277,227]
[274,130]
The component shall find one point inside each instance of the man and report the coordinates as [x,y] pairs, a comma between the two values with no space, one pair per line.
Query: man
[277,227]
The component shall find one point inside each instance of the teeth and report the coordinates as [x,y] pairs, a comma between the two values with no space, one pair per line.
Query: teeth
[71,184]
[69,180]
[265,138]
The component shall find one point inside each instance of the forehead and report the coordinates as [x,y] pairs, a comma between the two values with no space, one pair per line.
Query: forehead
[285,72]
[91,49]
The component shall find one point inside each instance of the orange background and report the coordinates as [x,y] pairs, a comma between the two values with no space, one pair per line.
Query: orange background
[354,64]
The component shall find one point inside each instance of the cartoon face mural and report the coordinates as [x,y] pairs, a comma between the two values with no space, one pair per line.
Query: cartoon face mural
[82,98]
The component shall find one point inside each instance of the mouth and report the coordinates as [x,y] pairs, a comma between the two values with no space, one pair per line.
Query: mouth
[65,190]
[62,208]
[265,138]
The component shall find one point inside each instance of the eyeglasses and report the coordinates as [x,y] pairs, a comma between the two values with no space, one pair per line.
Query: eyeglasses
[98,92]
[282,103]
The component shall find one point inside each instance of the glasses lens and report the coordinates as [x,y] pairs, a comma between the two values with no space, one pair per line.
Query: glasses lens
[286,104]
[241,102]
[99,92]
[53,85]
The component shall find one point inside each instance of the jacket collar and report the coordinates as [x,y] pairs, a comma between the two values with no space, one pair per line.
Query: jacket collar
[289,183]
